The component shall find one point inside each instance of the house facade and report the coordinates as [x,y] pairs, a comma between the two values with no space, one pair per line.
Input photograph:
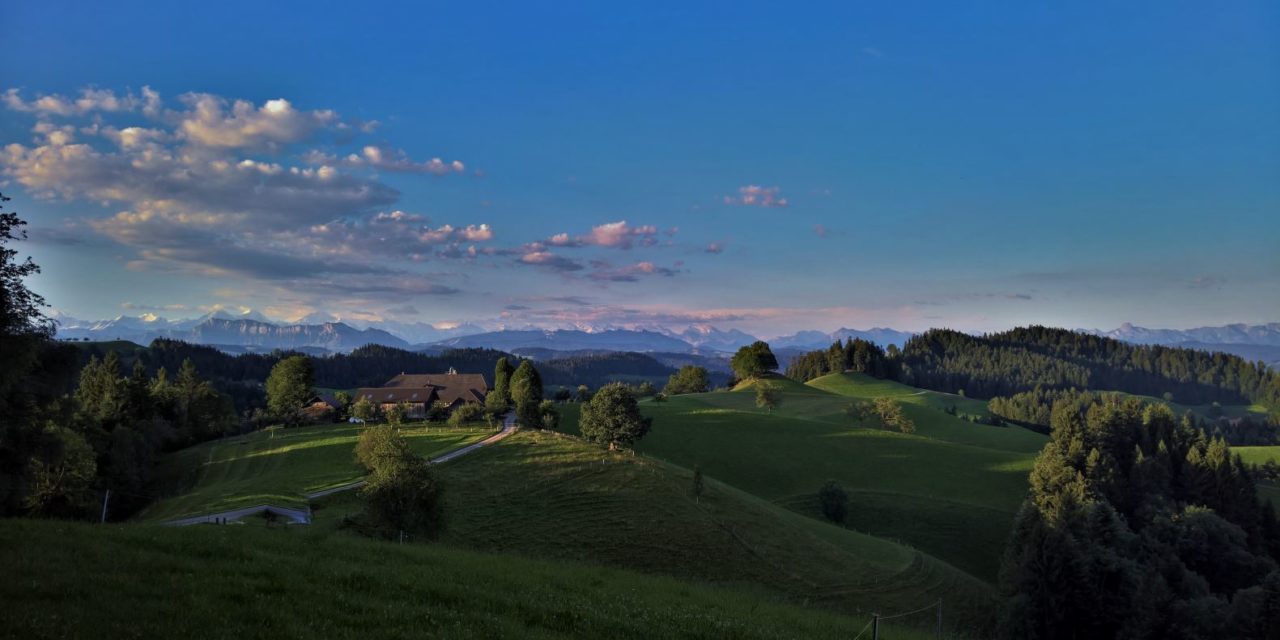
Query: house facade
[420,392]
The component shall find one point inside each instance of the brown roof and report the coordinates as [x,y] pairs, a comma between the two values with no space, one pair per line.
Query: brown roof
[389,395]
[449,388]
[467,380]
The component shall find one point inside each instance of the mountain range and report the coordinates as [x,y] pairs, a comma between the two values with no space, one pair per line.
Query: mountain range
[321,333]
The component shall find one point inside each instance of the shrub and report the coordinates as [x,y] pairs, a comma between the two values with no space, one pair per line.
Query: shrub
[834,501]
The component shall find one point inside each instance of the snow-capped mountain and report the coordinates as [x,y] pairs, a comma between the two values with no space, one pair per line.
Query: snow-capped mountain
[1259,334]
[571,340]
[705,336]
[819,340]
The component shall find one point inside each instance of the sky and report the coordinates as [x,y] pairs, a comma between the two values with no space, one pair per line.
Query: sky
[765,166]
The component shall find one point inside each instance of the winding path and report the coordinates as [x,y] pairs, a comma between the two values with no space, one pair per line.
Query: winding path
[303,516]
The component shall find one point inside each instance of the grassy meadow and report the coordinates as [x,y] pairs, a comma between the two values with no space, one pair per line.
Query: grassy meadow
[951,489]
[277,466]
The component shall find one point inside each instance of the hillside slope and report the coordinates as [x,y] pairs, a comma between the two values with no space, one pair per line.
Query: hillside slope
[951,489]
[135,581]
[277,466]
[553,496]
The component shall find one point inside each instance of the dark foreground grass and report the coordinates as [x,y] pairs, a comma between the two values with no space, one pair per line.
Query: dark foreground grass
[66,580]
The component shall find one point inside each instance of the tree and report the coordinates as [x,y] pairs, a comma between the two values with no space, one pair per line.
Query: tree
[526,393]
[646,389]
[563,394]
[688,379]
[890,413]
[378,443]
[613,418]
[343,398]
[397,413]
[767,396]
[583,393]
[61,473]
[833,500]
[753,361]
[549,415]
[402,493]
[364,409]
[289,387]
[499,400]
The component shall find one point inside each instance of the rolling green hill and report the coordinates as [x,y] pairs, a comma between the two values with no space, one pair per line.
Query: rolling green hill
[550,495]
[135,581]
[951,489]
[277,466]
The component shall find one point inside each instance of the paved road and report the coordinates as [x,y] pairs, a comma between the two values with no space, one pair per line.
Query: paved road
[303,516]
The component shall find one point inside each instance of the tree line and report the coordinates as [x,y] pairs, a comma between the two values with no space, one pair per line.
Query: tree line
[1024,359]
[855,354]
[1138,525]
[61,450]
[1009,362]
[1034,408]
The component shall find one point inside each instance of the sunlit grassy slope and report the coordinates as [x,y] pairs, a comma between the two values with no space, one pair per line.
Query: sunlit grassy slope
[1267,490]
[554,496]
[277,466]
[951,489]
[66,580]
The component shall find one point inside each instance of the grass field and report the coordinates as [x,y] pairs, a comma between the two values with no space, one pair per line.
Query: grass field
[555,496]
[71,580]
[951,489]
[277,466]
[1258,455]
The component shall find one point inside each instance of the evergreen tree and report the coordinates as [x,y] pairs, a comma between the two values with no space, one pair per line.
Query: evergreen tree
[526,393]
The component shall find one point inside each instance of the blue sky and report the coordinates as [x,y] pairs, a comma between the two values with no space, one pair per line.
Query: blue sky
[765,166]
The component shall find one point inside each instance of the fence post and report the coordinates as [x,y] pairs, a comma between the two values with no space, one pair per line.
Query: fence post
[939,632]
[875,626]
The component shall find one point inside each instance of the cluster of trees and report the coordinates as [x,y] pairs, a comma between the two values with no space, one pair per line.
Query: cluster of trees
[371,365]
[688,379]
[1139,526]
[1035,408]
[59,451]
[855,354]
[402,494]
[886,413]
[521,388]
[1018,360]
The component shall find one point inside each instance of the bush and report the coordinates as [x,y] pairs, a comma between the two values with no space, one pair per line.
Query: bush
[378,444]
[403,494]
[834,501]
[550,417]
[467,412]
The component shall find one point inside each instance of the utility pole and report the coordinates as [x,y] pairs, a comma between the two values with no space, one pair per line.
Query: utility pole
[939,632]
[105,500]
[875,626]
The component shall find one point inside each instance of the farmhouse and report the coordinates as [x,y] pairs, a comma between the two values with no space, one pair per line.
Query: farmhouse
[422,391]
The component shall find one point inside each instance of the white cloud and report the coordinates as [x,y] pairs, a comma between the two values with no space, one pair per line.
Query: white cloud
[757,196]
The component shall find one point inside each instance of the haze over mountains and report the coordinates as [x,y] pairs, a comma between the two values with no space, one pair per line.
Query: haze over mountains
[320,333]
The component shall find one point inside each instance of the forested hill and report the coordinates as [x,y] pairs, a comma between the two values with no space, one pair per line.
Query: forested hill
[1020,359]
[371,365]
